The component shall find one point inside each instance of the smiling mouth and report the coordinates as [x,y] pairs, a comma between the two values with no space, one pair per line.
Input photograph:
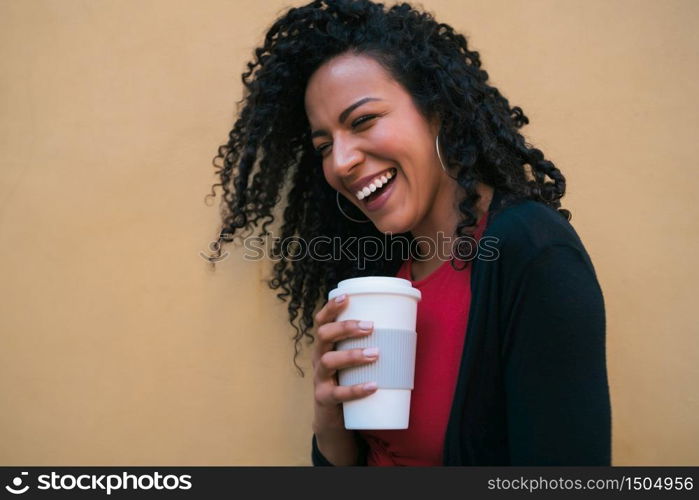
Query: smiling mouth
[378,199]
[377,187]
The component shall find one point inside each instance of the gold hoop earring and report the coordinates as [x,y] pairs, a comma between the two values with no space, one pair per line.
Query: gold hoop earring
[436,145]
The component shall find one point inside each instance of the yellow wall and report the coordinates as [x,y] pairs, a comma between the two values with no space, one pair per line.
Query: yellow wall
[119,345]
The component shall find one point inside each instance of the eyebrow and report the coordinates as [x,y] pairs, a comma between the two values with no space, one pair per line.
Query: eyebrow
[343,116]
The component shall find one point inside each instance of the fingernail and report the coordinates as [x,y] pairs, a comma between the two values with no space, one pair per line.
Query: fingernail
[370,386]
[366,325]
[371,352]
[340,298]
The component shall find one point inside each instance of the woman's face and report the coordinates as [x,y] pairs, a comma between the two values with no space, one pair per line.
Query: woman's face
[364,124]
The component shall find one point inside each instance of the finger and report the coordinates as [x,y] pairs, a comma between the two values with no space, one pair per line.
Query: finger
[331,395]
[331,309]
[343,393]
[331,333]
[332,361]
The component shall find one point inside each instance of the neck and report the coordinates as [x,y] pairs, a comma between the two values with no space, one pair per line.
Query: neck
[441,222]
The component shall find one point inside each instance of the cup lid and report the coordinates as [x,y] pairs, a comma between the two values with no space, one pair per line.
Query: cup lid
[375,284]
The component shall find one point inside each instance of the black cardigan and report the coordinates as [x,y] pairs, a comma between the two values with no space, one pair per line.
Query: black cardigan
[532,386]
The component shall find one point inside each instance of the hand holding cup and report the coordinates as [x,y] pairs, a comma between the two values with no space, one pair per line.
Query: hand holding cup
[328,394]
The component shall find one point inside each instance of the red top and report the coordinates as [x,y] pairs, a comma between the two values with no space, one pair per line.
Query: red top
[442,317]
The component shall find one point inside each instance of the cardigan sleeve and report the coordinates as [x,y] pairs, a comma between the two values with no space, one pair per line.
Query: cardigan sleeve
[319,460]
[557,395]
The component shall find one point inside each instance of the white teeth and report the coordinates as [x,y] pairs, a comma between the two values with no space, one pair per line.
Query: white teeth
[377,183]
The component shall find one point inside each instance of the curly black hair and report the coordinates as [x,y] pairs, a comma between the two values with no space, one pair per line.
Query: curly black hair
[271,137]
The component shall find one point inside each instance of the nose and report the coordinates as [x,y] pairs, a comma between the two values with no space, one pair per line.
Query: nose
[345,155]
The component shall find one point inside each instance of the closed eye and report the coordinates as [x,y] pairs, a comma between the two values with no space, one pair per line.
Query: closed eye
[362,119]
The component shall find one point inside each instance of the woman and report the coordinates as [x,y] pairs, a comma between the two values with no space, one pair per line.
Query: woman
[380,122]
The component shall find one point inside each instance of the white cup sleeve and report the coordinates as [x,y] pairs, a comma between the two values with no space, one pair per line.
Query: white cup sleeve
[395,366]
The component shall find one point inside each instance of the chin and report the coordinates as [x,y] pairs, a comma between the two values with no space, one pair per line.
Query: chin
[393,227]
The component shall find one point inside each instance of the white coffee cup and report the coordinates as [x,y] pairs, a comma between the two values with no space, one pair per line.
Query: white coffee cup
[391,303]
